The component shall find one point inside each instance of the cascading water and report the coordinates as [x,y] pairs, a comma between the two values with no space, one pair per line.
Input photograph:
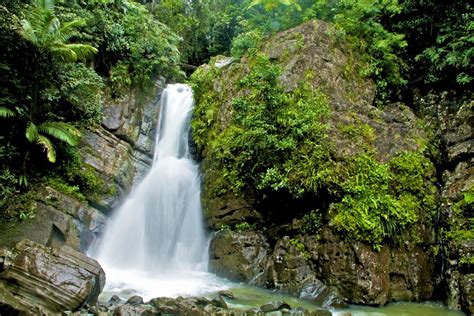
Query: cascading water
[155,245]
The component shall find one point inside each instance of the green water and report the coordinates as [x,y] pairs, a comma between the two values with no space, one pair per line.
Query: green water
[248,297]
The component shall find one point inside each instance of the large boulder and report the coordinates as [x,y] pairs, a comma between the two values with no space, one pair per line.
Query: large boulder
[311,56]
[41,280]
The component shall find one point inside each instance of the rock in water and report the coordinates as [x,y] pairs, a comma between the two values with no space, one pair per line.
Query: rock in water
[36,279]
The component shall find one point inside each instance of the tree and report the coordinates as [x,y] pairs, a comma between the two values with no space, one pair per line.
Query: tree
[49,36]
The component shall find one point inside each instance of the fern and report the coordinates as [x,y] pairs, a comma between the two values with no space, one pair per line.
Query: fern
[6,112]
[62,131]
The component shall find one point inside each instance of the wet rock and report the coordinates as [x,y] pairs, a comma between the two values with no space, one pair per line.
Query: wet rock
[135,300]
[322,295]
[467,293]
[219,301]
[274,306]
[229,210]
[134,310]
[288,268]
[240,256]
[49,280]
[364,276]
[60,220]
[112,161]
[226,293]
[115,299]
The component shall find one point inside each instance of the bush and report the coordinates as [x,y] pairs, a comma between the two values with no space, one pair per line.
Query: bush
[245,41]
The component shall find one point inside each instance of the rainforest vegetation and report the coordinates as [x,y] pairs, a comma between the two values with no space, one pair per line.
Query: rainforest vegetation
[59,61]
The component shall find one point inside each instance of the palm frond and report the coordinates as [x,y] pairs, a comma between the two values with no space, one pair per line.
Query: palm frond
[62,131]
[31,132]
[63,52]
[48,147]
[6,112]
[83,51]
[28,32]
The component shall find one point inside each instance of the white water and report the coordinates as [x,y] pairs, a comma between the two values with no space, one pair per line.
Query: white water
[155,245]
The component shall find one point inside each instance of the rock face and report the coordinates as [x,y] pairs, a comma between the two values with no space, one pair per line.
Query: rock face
[364,275]
[59,220]
[453,120]
[38,280]
[117,154]
[121,151]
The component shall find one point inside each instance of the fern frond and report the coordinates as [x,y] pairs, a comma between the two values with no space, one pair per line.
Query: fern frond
[31,132]
[63,52]
[47,147]
[27,32]
[62,131]
[6,112]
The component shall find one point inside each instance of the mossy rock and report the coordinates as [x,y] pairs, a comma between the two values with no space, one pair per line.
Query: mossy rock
[294,121]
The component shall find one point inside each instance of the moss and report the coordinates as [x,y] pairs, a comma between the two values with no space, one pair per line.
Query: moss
[301,248]
[362,134]
[60,185]
[461,224]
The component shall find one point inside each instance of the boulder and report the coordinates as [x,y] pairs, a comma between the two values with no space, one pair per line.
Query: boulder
[135,300]
[47,280]
[239,256]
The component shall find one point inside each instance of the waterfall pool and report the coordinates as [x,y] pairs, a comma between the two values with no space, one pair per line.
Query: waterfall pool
[247,297]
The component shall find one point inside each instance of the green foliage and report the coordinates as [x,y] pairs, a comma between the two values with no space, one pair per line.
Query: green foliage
[206,27]
[245,41]
[360,22]
[45,31]
[243,226]
[271,5]
[48,90]
[75,171]
[460,224]
[59,130]
[311,223]
[81,87]
[257,150]
[382,200]
[132,45]
[224,227]
[440,37]
[62,186]
[300,247]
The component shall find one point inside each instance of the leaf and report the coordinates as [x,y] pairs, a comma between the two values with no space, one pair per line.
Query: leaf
[31,132]
[48,147]
[62,131]
[6,112]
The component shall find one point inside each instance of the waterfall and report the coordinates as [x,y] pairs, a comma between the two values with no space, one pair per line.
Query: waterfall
[155,243]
